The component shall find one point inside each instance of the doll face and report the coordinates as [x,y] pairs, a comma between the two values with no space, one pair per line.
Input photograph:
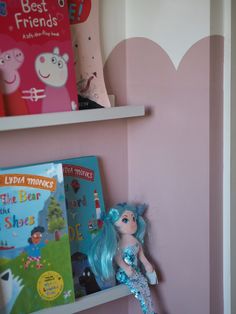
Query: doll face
[127,223]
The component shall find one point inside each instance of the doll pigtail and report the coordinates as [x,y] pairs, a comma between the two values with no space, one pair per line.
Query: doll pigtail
[141,224]
[141,229]
[103,250]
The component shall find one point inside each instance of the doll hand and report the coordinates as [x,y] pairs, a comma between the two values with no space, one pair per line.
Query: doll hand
[152,277]
[148,267]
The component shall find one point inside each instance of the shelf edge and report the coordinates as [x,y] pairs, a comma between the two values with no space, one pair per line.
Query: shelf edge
[89,301]
[72,117]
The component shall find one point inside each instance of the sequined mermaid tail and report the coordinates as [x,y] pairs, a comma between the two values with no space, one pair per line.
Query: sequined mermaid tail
[138,285]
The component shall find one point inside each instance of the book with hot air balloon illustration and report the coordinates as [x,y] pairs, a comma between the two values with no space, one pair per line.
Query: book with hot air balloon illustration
[85,205]
[33,233]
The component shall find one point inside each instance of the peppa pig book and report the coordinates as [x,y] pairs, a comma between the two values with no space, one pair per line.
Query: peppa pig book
[36,57]
[34,274]
[2,107]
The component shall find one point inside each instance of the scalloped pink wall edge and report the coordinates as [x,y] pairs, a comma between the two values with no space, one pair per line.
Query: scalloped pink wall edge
[175,165]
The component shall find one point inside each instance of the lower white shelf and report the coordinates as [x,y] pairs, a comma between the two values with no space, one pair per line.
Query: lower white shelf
[89,301]
[71,117]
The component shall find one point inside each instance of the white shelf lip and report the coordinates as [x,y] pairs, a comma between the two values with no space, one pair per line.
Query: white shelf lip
[89,301]
[70,117]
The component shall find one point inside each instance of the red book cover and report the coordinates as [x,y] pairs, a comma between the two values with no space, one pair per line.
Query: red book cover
[2,109]
[36,58]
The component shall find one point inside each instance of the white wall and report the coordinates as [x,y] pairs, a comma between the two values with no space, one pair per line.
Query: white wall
[161,21]
[113,24]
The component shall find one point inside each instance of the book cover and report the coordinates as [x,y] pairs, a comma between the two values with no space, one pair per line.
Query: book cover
[34,274]
[36,57]
[85,205]
[2,108]
[84,21]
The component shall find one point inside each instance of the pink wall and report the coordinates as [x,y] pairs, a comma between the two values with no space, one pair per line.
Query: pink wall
[116,307]
[107,139]
[172,166]
[166,160]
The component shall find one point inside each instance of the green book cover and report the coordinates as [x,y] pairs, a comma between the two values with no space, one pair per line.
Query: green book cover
[35,266]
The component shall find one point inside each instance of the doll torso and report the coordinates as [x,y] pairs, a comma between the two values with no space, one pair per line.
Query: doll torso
[128,250]
[129,254]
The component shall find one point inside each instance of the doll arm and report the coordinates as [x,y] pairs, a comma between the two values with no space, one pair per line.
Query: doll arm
[150,272]
[127,268]
[148,267]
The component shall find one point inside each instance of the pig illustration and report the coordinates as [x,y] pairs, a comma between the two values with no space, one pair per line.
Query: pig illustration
[10,61]
[52,70]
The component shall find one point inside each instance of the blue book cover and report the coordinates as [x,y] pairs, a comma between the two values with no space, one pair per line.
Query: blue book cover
[85,204]
[34,274]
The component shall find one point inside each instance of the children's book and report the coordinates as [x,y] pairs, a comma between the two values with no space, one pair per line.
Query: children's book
[84,21]
[2,107]
[36,58]
[85,205]
[35,266]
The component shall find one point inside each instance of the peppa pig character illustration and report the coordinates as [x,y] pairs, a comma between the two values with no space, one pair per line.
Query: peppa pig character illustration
[10,61]
[52,70]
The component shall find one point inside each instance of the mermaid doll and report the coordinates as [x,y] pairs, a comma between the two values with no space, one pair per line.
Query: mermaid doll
[117,251]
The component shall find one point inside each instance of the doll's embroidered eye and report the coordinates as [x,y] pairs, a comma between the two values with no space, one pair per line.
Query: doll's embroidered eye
[125,220]
[134,218]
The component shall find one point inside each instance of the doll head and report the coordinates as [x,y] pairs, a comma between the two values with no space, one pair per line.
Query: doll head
[120,219]
[126,219]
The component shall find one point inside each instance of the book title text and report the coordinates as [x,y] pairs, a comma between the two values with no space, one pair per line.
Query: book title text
[24,19]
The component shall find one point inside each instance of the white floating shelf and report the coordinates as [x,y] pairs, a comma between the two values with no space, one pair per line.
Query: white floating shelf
[71,117]
[89,301]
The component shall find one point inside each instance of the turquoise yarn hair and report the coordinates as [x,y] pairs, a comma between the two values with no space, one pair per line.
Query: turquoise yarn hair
[104,246]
